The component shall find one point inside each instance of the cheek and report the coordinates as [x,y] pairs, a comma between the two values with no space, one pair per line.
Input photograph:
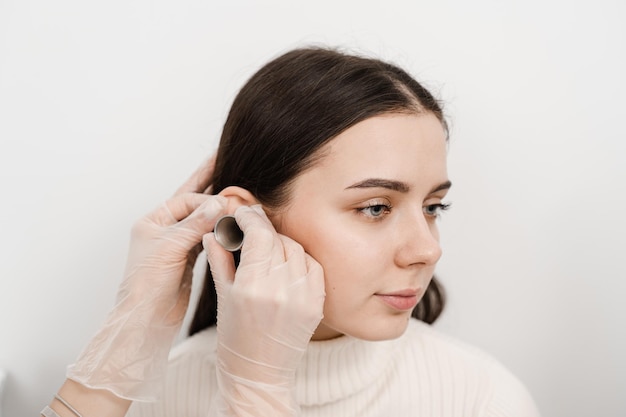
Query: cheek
[349,261]
[322,239]
[327,247]
[349,254]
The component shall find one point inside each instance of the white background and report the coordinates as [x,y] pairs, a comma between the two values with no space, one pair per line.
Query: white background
[105,107]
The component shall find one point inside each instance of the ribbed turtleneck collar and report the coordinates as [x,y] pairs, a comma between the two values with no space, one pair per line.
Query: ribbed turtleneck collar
[338,368]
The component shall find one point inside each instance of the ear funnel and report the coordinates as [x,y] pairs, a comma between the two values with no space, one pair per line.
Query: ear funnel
[228,234]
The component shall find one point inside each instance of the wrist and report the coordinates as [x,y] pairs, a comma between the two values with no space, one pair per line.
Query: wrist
[88,402]
[276,370]
[239,396]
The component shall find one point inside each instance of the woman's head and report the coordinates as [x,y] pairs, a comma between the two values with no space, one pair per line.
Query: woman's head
[298,102]
[286,119]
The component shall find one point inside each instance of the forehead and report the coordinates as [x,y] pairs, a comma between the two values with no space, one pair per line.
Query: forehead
[397,145]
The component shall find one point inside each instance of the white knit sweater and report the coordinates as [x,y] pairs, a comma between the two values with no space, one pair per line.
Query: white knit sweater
[423,373]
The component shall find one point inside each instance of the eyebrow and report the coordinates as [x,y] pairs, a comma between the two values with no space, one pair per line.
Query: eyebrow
[394,185]
[441,187]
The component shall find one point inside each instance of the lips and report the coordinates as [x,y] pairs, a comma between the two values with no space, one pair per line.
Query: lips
[400,300]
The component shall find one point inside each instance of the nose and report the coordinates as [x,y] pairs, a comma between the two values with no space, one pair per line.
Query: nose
[418,242]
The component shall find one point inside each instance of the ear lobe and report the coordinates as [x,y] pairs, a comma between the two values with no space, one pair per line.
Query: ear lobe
[237,197]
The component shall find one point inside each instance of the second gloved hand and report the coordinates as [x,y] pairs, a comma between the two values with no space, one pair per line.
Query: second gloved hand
[268,309]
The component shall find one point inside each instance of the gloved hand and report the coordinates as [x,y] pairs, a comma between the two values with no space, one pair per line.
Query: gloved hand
[268,309]
[128,356]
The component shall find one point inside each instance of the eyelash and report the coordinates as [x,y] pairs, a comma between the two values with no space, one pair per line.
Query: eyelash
[431,210]
[386,209]
[435,210]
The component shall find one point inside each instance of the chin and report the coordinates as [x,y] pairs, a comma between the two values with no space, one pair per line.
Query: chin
[383,331]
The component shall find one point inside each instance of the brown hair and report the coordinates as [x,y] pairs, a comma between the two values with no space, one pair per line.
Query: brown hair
[286,112]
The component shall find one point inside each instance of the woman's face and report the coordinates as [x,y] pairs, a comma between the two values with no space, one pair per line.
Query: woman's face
[367,213]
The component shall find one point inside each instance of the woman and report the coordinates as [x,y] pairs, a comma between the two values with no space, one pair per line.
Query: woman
[334,167]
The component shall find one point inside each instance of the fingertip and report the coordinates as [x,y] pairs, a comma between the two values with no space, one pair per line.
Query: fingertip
[258,208]
[220,261]
[206,240]
[215,206]
[211,246]
[215,202]
[243,209]
[314,269]
[255,208]
[223,201]
[202,219]
[243,216]
[311,263]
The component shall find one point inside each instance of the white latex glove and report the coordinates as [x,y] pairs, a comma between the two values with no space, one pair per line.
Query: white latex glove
[128,356]
[268,310]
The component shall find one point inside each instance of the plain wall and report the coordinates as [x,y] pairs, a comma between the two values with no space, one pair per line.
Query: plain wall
[106,107]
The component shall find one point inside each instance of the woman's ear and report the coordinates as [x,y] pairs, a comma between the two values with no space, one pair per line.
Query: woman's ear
[237,197]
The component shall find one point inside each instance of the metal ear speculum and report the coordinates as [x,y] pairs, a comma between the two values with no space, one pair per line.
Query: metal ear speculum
[228,234]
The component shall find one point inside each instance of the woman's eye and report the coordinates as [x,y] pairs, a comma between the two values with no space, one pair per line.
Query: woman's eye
[376,210]
[434,210]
